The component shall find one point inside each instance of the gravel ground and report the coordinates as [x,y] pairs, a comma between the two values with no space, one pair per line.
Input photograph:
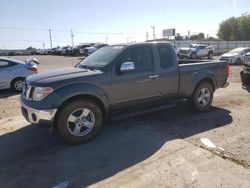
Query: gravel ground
[160,149]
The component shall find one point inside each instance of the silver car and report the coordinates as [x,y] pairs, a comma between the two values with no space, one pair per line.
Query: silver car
[14,72]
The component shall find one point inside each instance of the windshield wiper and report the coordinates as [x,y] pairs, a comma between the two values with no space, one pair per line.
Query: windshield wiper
[86,67]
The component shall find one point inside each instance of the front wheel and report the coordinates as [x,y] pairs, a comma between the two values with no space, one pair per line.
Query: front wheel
[193,55]
[202,97]
[210,55]
[79,121]
[17,84]
[245,78]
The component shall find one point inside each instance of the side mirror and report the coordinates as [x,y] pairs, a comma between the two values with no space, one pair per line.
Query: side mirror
[127,67]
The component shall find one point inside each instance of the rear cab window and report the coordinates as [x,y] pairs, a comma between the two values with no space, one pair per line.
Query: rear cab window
[165,55]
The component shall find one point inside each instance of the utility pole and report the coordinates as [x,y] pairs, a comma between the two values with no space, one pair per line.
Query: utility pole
[146,36]
[106,40]
[43,45]
[153,28]
[72,37]
[188,34]
[50,38]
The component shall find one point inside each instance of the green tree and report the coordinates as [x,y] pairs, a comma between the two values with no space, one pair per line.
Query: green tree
[178,37]
[200,36]
[235,28]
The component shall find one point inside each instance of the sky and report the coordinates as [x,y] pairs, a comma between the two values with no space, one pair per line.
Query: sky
[25,23]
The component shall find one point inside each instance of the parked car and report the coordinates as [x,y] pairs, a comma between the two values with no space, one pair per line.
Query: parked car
[65,50]
[118,81]
[196,51]
[13,72]
[90,50]
[78,50]
[41,52]
[245,72]
[235,56]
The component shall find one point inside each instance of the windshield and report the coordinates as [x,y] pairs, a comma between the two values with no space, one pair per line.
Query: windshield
[236,51]
[102,57]
[193,46]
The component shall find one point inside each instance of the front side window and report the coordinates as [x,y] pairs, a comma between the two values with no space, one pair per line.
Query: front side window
[142,58]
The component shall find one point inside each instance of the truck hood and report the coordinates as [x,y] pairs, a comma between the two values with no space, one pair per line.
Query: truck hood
[60,75]
[229,55]
[185,49]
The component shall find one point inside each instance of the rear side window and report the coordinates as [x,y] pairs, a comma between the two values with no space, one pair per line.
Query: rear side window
[141,56]
[202,47]
[165,56]
[4,64]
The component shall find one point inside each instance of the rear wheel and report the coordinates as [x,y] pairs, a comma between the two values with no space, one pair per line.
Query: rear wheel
[17,84]
[202,97]
[79,121]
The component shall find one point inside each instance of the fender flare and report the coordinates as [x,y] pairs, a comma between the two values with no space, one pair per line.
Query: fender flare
[76,90]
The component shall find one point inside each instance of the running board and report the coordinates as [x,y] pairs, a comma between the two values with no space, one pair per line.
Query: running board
[140,111]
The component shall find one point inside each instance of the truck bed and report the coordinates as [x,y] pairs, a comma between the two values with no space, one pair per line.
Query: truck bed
[192,71]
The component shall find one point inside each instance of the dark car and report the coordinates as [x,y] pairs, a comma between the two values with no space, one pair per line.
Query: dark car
[79,50]
[118,81]
[90,50]
[245,72]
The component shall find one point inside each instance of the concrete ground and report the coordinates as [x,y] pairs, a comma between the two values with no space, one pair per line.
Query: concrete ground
[160,149]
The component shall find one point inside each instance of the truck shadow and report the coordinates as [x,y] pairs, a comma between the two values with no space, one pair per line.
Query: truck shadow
[31,157]
[5,93]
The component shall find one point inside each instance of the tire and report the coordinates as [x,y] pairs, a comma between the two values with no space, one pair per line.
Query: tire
[245,78]
[193,55]
[202,97]
[16,84]
[238,61]
[210,55]
[73,118]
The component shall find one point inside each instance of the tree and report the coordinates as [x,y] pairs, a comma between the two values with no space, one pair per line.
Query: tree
[235,28]
[31,48]
[178,37]
[200,36]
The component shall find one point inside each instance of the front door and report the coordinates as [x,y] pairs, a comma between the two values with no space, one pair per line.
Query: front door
[137,85]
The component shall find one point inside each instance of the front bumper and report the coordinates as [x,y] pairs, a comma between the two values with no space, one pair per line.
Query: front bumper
[35,116]
[184,54]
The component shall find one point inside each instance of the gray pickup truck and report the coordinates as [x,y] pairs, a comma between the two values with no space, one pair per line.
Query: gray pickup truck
[118,81]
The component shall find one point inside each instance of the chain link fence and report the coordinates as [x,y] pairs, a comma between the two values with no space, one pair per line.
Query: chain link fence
[220,46]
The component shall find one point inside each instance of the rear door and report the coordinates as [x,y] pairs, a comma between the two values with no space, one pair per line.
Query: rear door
[136,86]
[7,73]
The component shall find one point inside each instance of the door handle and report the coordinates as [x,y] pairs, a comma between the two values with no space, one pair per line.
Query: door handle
[154,76]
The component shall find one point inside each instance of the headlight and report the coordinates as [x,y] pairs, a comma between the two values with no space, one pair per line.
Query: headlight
[41,92]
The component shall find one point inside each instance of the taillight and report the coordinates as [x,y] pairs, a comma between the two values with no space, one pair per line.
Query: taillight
[33,69]
[227,70]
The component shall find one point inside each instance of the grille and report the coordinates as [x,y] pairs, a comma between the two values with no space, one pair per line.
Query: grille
[184,51]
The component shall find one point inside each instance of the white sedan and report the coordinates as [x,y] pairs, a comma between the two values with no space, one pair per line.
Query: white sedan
[235,56]
[14,72]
